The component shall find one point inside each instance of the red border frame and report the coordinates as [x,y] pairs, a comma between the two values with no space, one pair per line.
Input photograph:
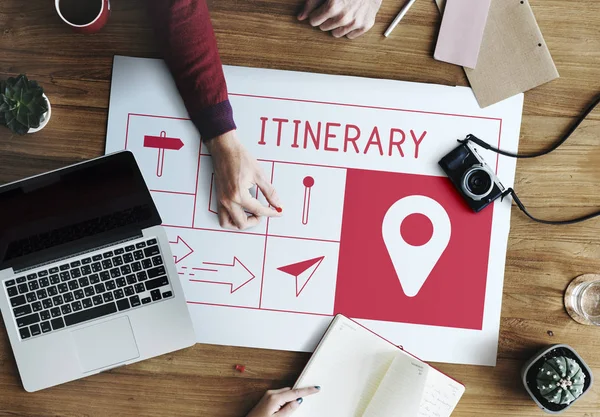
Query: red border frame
[266,234]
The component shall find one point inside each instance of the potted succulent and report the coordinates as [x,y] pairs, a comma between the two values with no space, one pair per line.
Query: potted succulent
[24,108]
[556,377]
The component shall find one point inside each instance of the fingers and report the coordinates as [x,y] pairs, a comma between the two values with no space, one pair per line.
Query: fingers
[288,409]
[309,6]
[233,217]
[331,24]
[342,31]
[342,17]
[278,391]
[294,394]
[361,29]
[356,33]
[240,219]
[224,220]
[327,11]
[235,172]
[255,207]
[282,402]
[268,191]
[231,212]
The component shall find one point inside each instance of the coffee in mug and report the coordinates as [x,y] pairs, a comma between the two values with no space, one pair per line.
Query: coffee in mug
[84,16]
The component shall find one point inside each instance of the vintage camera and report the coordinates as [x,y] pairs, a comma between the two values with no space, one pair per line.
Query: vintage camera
[472,177]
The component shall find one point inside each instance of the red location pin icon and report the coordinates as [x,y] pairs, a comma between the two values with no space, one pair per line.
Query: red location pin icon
[415,250]
[308,184]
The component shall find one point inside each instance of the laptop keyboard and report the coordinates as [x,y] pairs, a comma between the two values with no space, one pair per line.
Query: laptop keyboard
[93,286]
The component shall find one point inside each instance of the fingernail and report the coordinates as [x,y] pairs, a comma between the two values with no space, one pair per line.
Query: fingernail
[317,387]
[299,400]
[279,209]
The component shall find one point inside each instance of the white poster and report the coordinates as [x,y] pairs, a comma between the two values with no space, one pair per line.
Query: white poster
[372,227]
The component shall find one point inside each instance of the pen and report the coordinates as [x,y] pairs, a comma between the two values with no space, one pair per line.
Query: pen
[399,17]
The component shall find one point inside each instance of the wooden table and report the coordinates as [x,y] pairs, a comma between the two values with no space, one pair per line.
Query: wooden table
[75,71]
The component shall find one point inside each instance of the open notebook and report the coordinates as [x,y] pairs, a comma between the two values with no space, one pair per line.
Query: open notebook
[363,375]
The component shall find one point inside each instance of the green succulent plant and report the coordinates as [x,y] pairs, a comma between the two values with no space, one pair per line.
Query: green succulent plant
[560,380]
[22,104]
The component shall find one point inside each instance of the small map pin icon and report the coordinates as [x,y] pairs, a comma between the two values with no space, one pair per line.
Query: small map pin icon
[414,261]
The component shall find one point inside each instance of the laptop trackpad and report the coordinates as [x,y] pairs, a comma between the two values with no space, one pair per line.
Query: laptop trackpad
[105,344]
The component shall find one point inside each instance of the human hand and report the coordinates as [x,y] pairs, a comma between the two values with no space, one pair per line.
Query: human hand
[282,402]
[350,18]
[236,171]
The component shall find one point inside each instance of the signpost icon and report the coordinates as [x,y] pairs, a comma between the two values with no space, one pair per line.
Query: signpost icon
[162,143]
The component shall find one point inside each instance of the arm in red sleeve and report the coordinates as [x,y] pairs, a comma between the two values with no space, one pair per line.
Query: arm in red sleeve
[184,30]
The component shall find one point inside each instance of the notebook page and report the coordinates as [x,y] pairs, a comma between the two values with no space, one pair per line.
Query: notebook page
[400,392]
[441,395]
[349,364]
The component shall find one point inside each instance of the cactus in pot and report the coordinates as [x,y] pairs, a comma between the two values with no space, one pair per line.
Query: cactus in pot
[23,105]
[560,380]
[556,378]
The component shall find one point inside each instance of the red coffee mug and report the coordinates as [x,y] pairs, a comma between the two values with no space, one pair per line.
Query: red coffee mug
[84,16]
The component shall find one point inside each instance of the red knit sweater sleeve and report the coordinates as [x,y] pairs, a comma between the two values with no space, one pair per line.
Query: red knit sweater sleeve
[185,34]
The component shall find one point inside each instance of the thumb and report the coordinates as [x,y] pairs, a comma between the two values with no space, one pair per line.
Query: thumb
[289,408]
[269,192]
[309,6]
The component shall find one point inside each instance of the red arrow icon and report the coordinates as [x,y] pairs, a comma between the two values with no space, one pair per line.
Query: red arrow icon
[236,275]
[303,271]
[180,249]
[161,143]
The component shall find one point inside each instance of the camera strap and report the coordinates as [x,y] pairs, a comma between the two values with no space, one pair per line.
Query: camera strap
[521,206]
[511,192]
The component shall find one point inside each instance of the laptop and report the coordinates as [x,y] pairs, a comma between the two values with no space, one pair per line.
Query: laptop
[87,278]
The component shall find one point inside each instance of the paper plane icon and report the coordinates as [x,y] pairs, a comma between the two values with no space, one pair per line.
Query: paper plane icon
[303,271]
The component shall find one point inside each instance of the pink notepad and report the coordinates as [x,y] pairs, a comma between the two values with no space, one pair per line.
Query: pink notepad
[461,32]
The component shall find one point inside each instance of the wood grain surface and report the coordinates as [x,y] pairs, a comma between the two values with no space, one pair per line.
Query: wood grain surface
[75,71]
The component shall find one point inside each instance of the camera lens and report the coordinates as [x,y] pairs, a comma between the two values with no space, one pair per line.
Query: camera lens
[477,183]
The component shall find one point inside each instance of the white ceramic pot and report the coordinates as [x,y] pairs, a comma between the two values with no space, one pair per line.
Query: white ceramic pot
[45,118]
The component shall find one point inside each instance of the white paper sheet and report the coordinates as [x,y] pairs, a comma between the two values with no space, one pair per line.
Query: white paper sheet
[349,368]
[400,392]
[341,152]
[441,395]
[362,375]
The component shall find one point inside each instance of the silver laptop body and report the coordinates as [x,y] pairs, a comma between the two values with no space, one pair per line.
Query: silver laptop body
[87,278]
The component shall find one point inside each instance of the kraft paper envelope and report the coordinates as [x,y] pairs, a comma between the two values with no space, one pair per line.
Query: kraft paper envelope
[511,60]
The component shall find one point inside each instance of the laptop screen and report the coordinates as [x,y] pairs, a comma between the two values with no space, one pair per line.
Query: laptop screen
[74,209]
